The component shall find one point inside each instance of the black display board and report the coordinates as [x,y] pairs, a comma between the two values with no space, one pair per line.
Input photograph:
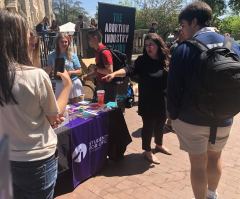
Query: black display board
[117,25]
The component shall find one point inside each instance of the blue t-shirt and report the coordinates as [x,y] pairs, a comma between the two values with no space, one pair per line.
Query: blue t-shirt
[72,64]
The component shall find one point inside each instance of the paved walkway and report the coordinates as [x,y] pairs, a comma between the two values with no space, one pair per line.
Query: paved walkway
[134,178]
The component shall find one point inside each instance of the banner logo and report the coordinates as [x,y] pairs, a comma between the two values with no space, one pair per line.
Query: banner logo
[79,153]
[97,144]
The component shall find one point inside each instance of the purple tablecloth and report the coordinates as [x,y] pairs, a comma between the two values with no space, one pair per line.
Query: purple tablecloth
[85,144]
[89,146]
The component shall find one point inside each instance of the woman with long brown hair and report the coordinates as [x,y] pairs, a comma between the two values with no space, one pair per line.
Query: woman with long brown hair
[71,64]
[29,112]
[152,77]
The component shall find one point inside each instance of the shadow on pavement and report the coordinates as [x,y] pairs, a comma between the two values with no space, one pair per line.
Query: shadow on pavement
[66,187]
[137,133]
[132,164]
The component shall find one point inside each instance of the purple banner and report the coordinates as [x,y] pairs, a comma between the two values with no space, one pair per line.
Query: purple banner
[89,140]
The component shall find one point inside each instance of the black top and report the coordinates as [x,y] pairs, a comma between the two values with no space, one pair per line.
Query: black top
[152,82]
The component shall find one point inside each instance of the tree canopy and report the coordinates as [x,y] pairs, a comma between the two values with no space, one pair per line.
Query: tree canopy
[231,25]
[235,6]
[68,10]
[164,12]
[218,6]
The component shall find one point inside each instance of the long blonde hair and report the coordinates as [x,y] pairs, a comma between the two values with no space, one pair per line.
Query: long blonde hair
[35,54]
[69,50]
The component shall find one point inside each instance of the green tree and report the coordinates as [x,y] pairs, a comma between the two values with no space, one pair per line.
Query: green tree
[235,6]
[231,25]
[126,3]
[68,10]
[164,12]
[218,7]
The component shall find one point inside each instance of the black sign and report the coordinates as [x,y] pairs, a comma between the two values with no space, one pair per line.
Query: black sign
[117,25]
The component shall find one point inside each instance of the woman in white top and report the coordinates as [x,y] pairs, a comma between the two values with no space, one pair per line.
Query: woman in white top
[71,64]
[28,112]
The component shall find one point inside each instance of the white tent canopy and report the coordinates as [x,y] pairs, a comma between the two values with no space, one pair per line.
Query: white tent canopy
[67,27]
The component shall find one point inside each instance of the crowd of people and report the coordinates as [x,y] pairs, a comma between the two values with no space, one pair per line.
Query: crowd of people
[30,110]
[57,46]
[44,26]
[47,33]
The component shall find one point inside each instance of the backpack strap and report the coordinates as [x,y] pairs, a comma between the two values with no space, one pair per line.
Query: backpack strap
[213,134]
[105,48]
[101,55]
[227,43]
[202,48]
[198,44]
[115,55]
[112,52]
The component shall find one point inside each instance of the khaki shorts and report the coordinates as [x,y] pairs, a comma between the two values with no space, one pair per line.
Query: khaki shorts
[194,139]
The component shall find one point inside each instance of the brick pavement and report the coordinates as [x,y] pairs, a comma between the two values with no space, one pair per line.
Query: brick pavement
[134,178]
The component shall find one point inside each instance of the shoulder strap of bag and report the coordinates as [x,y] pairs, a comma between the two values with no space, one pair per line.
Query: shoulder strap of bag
[198,44]
[101,55]
[112,52]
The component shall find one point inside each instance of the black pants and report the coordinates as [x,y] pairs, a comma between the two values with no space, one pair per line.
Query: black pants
[152,125]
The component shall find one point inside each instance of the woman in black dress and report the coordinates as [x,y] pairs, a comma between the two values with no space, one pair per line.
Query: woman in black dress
[152,76]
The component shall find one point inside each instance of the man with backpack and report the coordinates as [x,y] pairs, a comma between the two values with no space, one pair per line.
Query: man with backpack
[203,88]
[104,65]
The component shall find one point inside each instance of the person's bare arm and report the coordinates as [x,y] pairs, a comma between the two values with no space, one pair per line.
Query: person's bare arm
[118,73]
[75,72]
[62,100]
[89,76]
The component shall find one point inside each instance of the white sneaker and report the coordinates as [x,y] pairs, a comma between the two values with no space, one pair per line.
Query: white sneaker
[212,194]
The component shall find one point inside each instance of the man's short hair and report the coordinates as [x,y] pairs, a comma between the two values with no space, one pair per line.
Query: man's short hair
[80,16]
[199,10]
[95,33]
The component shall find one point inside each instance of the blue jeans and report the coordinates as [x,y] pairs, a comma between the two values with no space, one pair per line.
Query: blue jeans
[35,179]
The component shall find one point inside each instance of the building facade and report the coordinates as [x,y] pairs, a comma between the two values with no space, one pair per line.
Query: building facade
[33,10]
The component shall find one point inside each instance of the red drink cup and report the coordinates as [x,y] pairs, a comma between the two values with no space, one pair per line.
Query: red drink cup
[100,96]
